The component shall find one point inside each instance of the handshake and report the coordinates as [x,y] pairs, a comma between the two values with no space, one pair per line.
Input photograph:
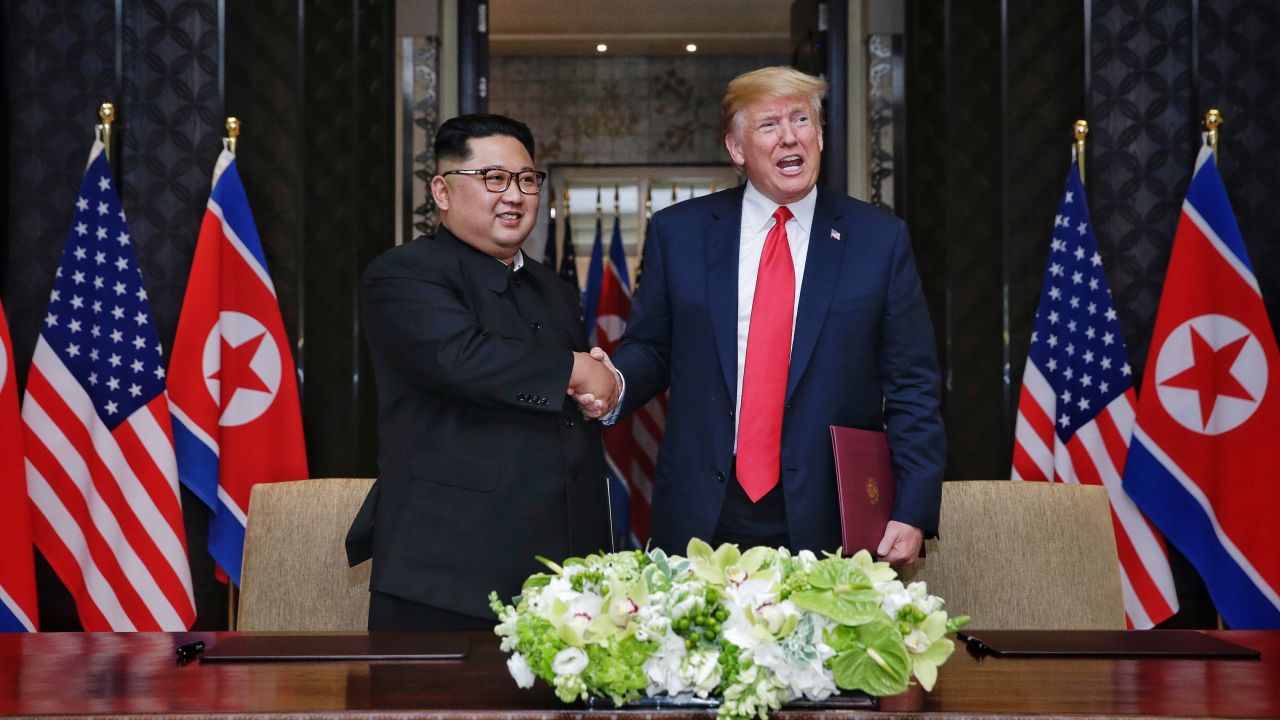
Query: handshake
[594,384]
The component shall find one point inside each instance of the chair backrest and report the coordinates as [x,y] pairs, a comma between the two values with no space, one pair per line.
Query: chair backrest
[1025,555]
[295,574]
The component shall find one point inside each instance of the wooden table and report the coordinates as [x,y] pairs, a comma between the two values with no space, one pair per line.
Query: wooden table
[117,674]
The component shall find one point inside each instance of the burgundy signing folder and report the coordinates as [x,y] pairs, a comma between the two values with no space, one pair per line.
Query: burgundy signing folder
[864,482]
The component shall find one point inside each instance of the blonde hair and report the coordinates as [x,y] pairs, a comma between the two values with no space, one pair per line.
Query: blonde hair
[765,84]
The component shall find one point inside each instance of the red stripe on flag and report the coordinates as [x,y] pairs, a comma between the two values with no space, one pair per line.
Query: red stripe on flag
[60,558]
[1139,579]
[149,475]
[1042,427]
[101,552]
[1112,439]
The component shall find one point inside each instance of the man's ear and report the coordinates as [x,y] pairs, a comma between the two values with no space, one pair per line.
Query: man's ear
[734,146]
[440,191]
[819,138]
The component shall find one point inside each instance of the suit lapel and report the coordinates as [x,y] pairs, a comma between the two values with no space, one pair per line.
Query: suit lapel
[722,236]
[821,273]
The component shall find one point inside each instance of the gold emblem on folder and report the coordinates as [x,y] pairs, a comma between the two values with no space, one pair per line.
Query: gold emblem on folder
[873,491]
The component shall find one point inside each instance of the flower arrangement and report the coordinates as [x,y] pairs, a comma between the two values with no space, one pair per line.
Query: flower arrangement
[754,629]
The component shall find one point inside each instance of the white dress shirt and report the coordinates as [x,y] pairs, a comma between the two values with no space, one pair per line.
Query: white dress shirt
[757,221]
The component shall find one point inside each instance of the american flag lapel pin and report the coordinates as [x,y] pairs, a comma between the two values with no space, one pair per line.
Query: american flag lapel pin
[835,235]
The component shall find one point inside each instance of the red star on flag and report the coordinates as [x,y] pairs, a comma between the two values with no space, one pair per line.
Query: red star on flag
[236,372]
[1211,374]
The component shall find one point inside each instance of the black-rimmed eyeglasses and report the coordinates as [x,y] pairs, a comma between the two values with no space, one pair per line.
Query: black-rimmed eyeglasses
[497,180]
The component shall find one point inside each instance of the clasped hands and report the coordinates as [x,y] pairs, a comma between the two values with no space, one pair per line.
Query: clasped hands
[594,384]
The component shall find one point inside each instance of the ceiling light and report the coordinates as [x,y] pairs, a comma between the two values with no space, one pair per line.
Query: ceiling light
[691,47]
[602,48]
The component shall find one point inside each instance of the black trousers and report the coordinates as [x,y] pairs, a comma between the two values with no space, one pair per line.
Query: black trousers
[388,612]
[749,524]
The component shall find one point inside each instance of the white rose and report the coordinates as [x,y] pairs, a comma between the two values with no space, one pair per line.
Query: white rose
[569,661]
[519,670]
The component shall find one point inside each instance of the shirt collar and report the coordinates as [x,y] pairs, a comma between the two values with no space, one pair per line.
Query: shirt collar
[757,210]
[519,260]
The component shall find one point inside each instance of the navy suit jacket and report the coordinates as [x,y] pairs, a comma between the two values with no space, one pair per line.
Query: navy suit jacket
[863,356]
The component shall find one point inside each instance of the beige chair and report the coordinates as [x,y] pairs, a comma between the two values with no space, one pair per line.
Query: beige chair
[1025,555]
[295,574]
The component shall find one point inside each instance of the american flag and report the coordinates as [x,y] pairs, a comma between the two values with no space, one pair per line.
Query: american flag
[630,444]
[101,471]
[1076,409]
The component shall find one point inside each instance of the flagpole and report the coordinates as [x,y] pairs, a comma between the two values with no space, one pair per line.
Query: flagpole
[1212,121]
[233,593]
[233,133]
[1080,130]
[107,114]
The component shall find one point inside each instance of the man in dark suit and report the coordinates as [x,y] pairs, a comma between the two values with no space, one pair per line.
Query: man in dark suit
[484,462]
[773,311]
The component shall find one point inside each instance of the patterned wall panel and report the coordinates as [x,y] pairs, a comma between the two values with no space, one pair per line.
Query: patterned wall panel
[168,138]
[1142,145]
[1044,96]
[1239,74]
[974,324]
[59,66]
[262,75]
[926,154]
[348,166]
[620,110]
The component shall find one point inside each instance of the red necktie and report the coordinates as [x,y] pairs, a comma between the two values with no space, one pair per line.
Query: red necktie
[764,377]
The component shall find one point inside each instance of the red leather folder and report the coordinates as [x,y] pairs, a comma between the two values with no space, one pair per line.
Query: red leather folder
[864,482]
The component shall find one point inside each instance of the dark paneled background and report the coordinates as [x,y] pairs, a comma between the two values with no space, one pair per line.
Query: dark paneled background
[311,83]
[993,88]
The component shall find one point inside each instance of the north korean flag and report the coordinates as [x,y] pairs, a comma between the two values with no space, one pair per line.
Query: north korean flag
[232,387]
[1204,464]
[17,569]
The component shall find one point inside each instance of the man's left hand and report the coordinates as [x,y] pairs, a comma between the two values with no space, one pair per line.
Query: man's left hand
[901,543]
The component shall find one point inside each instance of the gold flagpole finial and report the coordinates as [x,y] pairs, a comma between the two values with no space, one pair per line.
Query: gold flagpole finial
[673,193]
[551,204]
[1080,130]
[566,200]
[107,115]
[233,133]
[1213,121]
[616,204]
[648,202]
[599,207]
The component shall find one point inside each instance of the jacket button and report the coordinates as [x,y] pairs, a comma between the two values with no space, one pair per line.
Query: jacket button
[719,477]
[537,326]
[568,422]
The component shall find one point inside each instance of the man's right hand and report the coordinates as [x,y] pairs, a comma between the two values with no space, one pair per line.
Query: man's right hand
[594,384]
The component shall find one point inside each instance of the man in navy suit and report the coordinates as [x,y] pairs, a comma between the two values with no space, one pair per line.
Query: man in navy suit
[773,311]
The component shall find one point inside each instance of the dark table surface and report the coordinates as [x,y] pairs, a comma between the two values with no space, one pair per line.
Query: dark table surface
[136,673]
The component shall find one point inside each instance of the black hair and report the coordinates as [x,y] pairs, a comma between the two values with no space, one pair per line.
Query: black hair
[454,133]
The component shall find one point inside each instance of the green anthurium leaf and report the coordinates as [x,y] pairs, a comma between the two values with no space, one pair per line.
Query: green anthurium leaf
[852,607]
[879,666]
[836,573]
